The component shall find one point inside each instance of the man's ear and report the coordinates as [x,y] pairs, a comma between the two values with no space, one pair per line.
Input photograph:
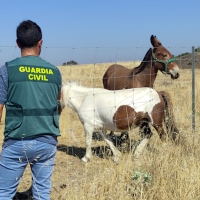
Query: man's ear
[40,43]
[18,44]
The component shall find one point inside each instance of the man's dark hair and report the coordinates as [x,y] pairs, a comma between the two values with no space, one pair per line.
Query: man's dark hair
[28,34]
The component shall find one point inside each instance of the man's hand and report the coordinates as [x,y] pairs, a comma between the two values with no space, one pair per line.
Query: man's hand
[1,111]
[60,105]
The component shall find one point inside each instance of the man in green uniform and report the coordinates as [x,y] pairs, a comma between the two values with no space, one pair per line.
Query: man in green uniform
[30,90]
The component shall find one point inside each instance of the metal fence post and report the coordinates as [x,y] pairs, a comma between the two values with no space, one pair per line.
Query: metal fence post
[193,93]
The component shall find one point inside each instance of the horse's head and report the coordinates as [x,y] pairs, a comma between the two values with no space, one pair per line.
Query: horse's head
[163,59]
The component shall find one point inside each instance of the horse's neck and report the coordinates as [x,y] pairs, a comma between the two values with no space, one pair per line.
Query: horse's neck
[147,77]
[146,72]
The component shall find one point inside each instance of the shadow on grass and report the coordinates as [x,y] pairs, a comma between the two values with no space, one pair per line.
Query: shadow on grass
[121,142]
[26,195]
[100,151]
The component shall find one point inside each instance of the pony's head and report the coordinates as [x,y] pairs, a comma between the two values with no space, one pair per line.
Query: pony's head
[61,102]
[65,97]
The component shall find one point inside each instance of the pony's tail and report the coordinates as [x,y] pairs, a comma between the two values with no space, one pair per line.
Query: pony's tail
[169,118]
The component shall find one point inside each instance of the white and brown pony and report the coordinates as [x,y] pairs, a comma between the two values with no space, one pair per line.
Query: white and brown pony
[121,110]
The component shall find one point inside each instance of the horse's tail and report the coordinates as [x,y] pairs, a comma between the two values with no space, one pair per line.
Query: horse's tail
[105,80]
[169,118]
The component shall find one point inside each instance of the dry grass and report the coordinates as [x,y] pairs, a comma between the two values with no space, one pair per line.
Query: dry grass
[174,169]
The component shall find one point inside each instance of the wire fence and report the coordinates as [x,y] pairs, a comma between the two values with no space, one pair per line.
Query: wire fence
[87,55]
[92,64]
[103,56]
[100,58]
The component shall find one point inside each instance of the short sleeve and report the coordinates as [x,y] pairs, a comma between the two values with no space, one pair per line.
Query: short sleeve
[3,84]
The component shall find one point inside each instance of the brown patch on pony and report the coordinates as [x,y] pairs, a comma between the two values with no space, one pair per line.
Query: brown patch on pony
[158,116]
[169,119]
[164,110]
[126,118]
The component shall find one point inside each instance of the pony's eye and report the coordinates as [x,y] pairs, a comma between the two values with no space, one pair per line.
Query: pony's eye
[165,55]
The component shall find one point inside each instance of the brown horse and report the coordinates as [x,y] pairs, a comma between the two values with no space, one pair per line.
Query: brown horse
[118,77]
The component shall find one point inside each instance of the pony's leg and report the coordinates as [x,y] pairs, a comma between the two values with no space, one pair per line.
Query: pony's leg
[116,153]
[143,141]
[125,142]
[158,118]
[88,139]
[140,148]
[161,132]
[171,128]
[118,141]
[144,132]
[169,118]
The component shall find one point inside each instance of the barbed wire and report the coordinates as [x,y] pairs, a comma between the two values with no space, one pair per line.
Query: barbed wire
[90,54]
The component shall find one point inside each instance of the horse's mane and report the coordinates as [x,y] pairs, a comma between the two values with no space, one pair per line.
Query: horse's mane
[143,64]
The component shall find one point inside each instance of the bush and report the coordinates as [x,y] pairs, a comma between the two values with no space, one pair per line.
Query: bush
[71,62]
[197,49]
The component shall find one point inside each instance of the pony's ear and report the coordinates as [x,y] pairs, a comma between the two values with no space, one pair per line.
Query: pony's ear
[155,42]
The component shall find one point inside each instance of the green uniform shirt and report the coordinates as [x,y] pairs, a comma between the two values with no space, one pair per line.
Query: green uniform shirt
[32,106]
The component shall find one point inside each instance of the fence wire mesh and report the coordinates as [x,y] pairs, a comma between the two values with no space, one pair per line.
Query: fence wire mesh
[71,146]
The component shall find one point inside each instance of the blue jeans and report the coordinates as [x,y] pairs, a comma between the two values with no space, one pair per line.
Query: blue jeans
[15,158]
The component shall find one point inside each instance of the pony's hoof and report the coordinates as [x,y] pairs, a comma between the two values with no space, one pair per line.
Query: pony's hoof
[116,160]
[84,159]
[176,137]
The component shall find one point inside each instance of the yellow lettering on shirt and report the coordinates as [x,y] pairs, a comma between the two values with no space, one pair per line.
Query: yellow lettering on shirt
[36,73]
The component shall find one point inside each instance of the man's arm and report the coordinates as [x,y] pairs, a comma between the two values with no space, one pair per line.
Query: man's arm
[3,88]
[1,111]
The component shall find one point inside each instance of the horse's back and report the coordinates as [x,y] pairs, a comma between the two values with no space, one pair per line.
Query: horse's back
[116,74]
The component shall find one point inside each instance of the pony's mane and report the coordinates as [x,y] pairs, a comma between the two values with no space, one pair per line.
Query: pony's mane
[72,84]
[142,65]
